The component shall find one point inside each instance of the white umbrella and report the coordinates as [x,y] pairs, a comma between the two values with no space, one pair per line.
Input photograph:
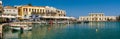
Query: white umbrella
[5,16]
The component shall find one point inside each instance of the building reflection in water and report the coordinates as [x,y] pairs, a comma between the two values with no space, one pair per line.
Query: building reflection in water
[64,30]
[97,26]
[47,31]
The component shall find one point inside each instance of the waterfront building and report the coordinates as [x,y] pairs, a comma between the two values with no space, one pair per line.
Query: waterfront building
[97,17]
[27,11]
[10,12]
[41,11]
[51,11]
[1,9]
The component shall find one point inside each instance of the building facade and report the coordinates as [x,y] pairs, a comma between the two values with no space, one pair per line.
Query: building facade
[1,8]
[27,11]
[97,17]
[51,11]
[10,11]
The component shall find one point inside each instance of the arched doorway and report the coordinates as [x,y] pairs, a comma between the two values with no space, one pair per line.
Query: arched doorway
[96,19]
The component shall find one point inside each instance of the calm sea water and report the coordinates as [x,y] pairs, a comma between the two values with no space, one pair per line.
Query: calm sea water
[92,30]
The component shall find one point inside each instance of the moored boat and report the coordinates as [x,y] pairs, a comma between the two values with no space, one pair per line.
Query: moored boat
[20,27]
[86,21]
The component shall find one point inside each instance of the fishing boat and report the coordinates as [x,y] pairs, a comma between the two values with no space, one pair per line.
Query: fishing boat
[20,27]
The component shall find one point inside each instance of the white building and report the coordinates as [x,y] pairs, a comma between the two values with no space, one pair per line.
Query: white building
[51,11]
[97,17]
[8,10]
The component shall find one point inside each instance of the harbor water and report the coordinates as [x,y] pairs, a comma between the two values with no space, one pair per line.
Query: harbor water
[91,30]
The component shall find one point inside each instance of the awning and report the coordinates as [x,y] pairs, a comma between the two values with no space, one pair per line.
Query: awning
[58,17]
[6,16]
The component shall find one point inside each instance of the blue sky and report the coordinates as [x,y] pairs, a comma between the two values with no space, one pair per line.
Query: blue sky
[74,8]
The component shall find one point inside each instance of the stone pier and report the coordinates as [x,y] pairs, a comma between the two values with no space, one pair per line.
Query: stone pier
[1,27]
[0,31]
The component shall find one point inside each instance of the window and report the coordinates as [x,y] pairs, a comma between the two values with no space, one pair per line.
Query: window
[9,10]
[13,10]
[6,10]
[40,10]
[87,19]
[100,15]
[37,10]
[96,14]
[29,10]
[92,18]
[64,15]
[99,18]
[32,9]
[59,15]
[105,18]
[23,9]
[26,9]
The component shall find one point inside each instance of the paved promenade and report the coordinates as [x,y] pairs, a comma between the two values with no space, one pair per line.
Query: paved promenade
[1,26]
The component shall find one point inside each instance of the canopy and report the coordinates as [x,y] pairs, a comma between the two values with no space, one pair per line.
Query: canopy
[58,17]
[7,16]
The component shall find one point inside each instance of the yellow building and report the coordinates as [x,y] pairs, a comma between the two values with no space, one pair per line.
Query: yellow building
[26,11]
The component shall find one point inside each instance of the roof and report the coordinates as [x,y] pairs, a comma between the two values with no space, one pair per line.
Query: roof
[9,7]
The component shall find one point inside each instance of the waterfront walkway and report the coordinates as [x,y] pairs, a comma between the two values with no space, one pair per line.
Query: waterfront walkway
[43,22]
[1,26]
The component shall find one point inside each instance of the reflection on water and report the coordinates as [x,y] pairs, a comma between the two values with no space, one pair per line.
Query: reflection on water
[92,30]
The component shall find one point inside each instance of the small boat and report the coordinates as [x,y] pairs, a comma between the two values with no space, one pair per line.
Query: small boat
[86,21]
[78,22]
[23,27]
[20,27]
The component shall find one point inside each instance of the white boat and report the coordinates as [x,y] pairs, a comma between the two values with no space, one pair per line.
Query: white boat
[20,26]
[17,25]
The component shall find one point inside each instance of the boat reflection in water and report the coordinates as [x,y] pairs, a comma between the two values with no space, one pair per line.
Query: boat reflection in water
[91,30]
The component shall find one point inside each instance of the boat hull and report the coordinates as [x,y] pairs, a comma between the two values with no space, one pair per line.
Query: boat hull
[19,28]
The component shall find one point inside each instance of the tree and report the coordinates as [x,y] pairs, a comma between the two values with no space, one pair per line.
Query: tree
[29,4]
